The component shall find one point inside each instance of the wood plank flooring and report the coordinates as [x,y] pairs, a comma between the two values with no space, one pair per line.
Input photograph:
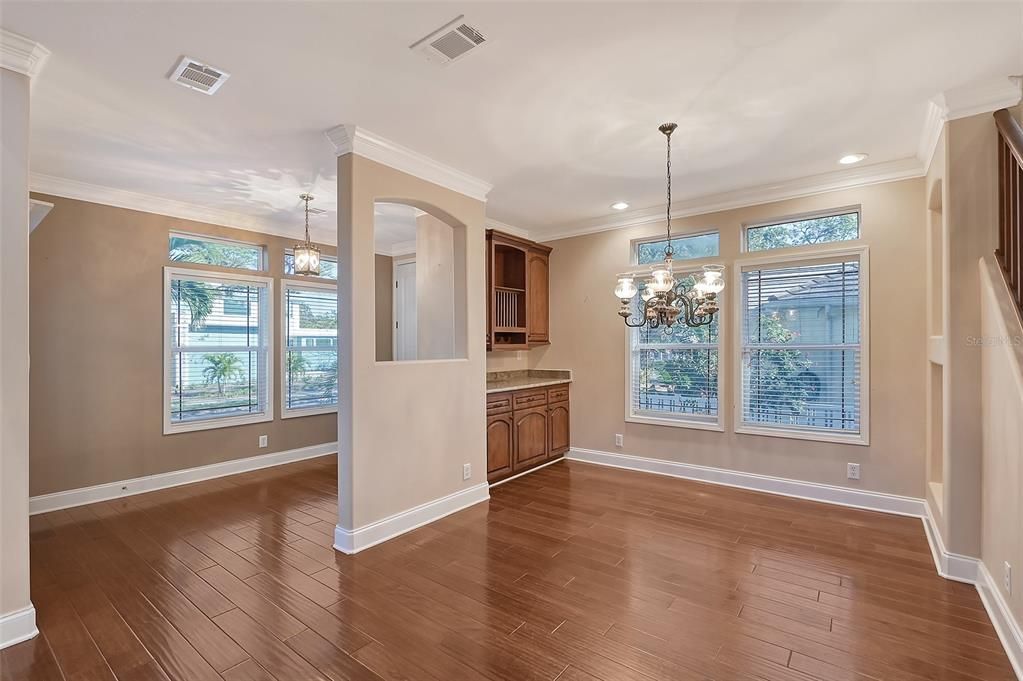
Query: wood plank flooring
[575,573]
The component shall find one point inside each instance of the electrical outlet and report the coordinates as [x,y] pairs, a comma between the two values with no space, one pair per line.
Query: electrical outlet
[619,440]
[263,441]
[1007,578]
[852,471]
[466,471]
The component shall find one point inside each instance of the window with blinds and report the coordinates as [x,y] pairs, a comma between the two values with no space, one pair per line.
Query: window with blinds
[674,372]
[802,346]
[328,265]
[310,383]
[218,346]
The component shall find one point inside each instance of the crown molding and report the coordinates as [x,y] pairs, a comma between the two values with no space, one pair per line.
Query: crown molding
[351,139]
[22,55]
[147,203]
[877,173]
[930,133]
[967,100]
[507,229]
[398,249]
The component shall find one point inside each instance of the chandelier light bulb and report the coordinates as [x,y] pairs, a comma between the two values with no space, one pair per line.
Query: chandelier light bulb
[713,279]
[648,293]
[661,280]
[626,288]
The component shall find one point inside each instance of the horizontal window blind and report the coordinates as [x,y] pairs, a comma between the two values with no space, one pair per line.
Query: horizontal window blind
[310,348]
[674,372]
[219,343]
[801,345]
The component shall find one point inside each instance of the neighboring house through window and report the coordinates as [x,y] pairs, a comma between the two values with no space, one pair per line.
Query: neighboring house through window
[217,353]
[309,361]
[803,346]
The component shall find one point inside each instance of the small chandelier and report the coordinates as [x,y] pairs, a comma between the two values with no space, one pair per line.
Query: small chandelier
[667,300]
[307,256]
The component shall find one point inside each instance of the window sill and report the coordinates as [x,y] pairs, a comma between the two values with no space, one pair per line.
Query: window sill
[675,423]
[299,413]
[211,424]
[815,436]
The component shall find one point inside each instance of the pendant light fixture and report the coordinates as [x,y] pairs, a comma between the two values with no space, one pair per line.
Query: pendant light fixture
[667,300]
[307,256]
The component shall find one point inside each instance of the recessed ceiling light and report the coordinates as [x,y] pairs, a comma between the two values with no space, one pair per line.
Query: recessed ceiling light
[849,159]
[619,205]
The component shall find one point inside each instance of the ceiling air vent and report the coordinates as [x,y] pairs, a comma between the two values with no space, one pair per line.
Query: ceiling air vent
[195,75]
[449,42]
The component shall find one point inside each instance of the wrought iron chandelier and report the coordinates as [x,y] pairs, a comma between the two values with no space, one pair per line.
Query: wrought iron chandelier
[307,256]
[666,300]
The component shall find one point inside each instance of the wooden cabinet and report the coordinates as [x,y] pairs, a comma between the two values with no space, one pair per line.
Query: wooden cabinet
[538,296]
[558,432]
[500,445]
[518,292]
[526,428]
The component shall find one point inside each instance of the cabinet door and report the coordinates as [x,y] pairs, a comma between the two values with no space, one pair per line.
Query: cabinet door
[538,297]
[500,445]
[530,437]
[559,428]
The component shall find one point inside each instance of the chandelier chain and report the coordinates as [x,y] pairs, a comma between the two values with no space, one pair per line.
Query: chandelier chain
[669,251]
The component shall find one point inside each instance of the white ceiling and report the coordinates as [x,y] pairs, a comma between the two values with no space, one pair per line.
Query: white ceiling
[558,110]
[394,228]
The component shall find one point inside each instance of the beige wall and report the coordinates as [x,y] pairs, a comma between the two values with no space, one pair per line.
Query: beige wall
[1001,350]
[435,287]
[14,343]
[97,343]
[971,215]
[384,293]
[405,428]
[588,337]
[937,320]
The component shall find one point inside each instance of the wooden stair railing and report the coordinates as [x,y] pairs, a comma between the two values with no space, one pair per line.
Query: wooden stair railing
[1010,202]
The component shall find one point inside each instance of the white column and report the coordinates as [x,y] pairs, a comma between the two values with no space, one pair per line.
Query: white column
[20,60]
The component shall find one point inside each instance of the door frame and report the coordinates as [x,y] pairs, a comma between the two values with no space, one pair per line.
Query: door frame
[395,262]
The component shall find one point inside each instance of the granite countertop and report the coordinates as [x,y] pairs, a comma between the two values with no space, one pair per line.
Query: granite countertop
[500,381]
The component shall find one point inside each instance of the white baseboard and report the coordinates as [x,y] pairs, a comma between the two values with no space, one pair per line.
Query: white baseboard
[18,626]
[149,483]
[830,494]
[954,566]
[353,541]
[531,470]
[1008,629]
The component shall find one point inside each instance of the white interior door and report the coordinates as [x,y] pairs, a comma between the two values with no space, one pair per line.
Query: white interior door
[405,338]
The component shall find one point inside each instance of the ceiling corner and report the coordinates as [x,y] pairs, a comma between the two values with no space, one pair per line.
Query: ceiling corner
[22,55]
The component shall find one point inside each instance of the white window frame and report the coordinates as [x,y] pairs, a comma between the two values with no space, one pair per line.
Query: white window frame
[635,243]
[307,277]
[797,217]
[787,258]
[683,268]
[308,285]
[170,273]
[219,240]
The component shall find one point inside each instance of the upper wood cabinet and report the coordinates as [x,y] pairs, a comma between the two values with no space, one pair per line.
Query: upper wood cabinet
[518,288]
[538,284]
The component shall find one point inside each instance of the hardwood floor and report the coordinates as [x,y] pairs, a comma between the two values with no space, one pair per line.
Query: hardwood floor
[575,573]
